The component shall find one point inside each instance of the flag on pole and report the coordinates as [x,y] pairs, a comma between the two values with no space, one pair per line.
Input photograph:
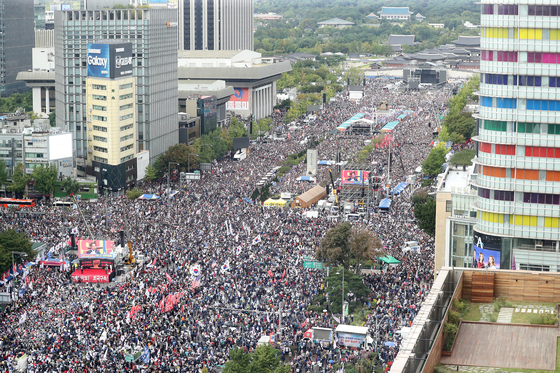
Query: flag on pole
[270,273]
[304,323]
[23,318]
[168,277]
[308,334]
[284,273]
[214,264]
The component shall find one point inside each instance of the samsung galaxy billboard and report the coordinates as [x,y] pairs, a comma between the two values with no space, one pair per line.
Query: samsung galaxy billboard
[111,60]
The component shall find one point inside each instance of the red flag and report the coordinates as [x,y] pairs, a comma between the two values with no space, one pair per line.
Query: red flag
[308,334]
[269,273]
[168,277]
[284,273]
[304,323]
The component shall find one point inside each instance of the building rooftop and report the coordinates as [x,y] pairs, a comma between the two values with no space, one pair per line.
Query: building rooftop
[208,54]
[335,21]
[387,10]
[402,40]
[420,16]
[473,41]
[457,180]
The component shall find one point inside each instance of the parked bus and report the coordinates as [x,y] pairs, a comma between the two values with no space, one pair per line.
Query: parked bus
[19,203]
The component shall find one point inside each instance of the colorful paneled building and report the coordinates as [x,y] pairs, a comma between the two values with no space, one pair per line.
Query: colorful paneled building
[518,137]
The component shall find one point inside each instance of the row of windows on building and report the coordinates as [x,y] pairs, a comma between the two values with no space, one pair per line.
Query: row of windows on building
[105,150]
[529,151]
[521,127]
[524,57]
[508,195]
[104,139]
[520,33]
[513,10]
[522,80]
[524,220]
[511,103]
[519,174]
[101,87]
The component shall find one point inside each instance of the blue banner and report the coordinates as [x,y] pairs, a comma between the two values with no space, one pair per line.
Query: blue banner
[145,355]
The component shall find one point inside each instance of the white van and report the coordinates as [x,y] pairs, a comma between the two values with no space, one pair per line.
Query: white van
[352,217]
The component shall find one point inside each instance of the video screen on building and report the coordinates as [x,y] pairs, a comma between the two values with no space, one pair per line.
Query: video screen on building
[209,109]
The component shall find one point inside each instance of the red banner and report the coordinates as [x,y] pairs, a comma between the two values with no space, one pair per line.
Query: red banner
[90,276]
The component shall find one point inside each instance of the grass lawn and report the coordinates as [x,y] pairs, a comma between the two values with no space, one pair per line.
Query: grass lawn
[474,313]
[504,370]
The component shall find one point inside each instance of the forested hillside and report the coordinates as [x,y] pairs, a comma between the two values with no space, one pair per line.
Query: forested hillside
[298,30]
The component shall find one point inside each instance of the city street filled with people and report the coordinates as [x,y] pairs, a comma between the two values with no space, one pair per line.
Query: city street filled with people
[233,269]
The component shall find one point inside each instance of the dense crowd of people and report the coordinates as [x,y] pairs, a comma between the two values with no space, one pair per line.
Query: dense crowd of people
[251,280]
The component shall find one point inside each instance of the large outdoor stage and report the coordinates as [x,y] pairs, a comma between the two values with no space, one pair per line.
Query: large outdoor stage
[92,275]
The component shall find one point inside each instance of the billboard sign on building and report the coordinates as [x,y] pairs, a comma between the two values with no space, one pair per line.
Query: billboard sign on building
[483,257]
[109,60]
[353,177]
[239,100]
[60,146]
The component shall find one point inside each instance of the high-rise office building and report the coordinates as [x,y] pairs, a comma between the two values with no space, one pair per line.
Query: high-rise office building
[154,52]
[216,24]
[17,27]
[111,124]
[518,137]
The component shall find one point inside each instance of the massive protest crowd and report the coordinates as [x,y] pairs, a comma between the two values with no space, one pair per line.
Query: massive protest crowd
[251,280]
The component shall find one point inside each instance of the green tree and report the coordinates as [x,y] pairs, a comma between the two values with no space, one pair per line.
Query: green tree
[335,247]
[237,129]
[464,157]
[20,180]
[332,292]
[152,173]
[11,240]
[462,124]
[425,214]
[3,173]
[52,118]
[179,154]
[364,246]
[70,186]
[432,164]
[265,359]
[134,193]
[44,178]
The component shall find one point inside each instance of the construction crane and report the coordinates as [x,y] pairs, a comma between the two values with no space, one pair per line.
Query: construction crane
[130,259]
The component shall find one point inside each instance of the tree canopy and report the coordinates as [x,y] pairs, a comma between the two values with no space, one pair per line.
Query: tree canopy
[343,245]
[432,164]
[11,240]
[20,180]
[264,359]
[44,178]
[425,214]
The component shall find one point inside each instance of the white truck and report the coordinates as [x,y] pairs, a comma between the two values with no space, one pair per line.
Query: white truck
[240,155]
